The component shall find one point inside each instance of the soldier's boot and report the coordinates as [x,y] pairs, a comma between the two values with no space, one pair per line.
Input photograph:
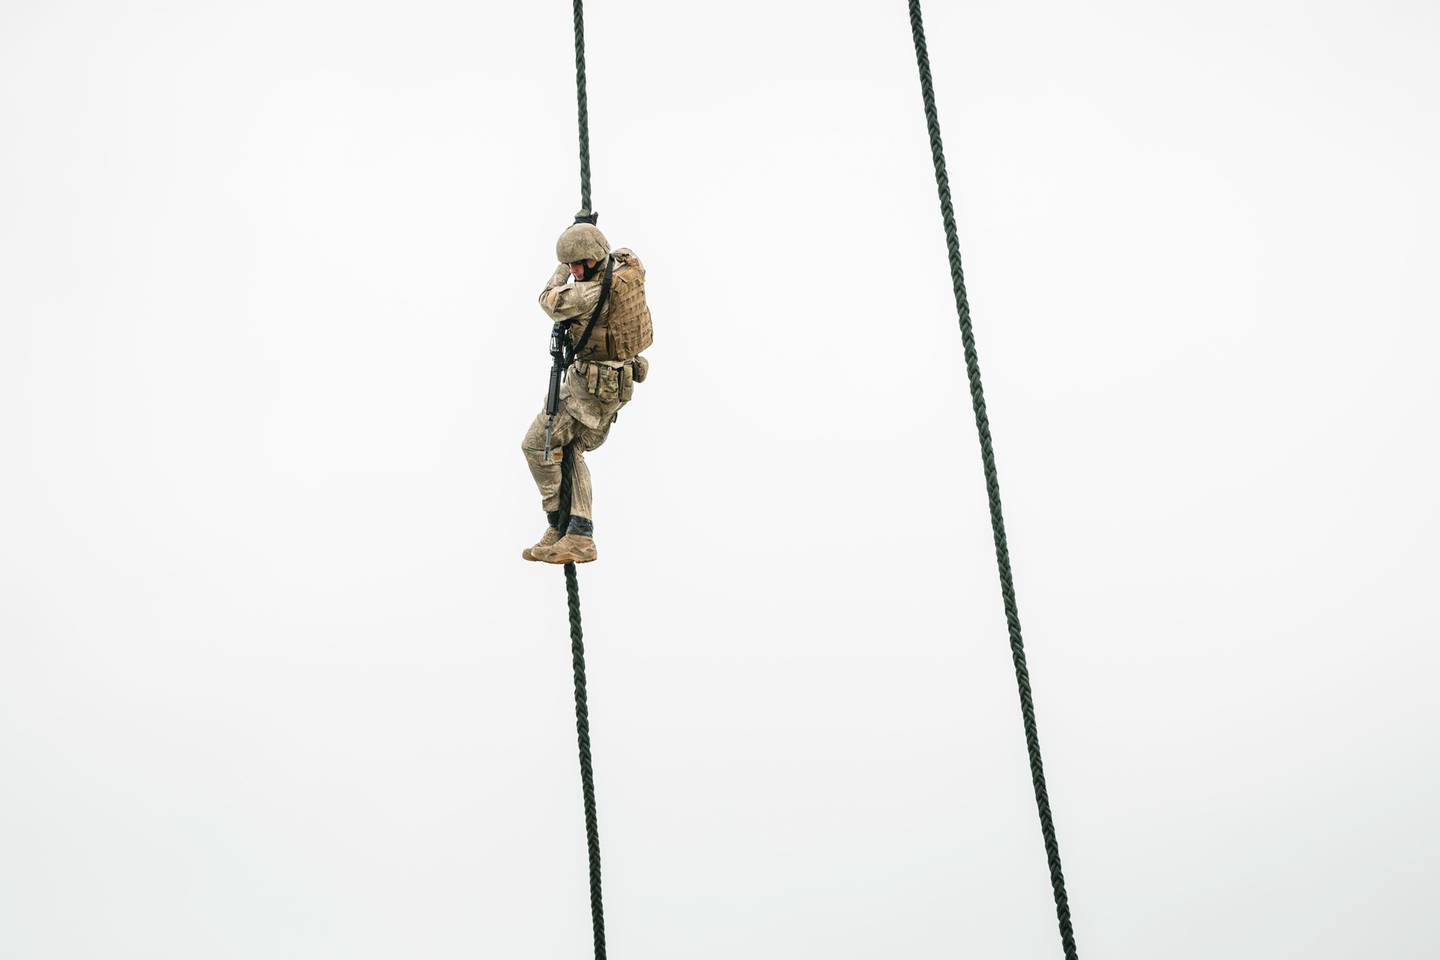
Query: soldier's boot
[577,546]
[549,539]
[571,548]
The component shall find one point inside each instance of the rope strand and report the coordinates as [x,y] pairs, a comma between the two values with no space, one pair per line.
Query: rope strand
[992,486]
[584,108]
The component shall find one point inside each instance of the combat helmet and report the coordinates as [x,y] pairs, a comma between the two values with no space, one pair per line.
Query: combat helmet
[582,240]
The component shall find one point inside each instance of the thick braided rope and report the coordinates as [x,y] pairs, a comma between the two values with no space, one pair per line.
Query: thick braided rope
[572,582]
[583,105]
[582,713]
[992,486]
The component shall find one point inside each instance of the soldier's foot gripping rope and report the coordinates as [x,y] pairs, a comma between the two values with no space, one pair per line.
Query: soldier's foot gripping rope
[992,486]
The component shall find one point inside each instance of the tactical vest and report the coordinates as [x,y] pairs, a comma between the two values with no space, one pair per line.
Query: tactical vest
[625,329]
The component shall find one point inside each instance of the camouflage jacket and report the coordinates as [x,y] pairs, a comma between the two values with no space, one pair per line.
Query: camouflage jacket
[563,299]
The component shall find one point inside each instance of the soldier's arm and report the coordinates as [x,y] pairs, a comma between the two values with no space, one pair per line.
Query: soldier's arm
[568,301]
[559,278]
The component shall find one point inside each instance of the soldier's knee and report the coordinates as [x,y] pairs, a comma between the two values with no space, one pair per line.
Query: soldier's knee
[534,451]
[589,439]
[534,437]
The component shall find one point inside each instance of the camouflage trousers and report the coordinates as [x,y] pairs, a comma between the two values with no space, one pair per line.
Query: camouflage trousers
[590,399]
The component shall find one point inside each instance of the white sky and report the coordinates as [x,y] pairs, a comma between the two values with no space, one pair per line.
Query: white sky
[275,683]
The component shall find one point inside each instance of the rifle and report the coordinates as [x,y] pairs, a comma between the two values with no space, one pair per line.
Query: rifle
[559,341]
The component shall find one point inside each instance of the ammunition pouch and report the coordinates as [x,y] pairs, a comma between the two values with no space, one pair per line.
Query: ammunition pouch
[612,382]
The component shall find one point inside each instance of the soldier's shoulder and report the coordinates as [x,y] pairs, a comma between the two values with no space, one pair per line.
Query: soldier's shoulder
[625,257]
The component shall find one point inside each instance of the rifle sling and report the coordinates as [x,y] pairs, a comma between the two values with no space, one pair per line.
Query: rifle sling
[599,307]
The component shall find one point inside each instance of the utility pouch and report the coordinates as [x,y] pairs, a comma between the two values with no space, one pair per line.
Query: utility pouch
[607,383]
[601,381]
[640,369]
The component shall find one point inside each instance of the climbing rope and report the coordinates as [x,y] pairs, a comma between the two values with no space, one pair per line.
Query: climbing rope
[582,711]
[584,109]
[572,582]
[992,486]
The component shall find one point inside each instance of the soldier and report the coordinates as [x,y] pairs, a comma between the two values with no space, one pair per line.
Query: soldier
[599,297]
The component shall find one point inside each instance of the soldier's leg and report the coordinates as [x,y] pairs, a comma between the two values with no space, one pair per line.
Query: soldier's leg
[580,492]
[586,439]
[591,397]
[547,473]
[577,545]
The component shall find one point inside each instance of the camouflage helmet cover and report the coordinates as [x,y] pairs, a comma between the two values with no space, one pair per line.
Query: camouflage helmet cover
[581,241]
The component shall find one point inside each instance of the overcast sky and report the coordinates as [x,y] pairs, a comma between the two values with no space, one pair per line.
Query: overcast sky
[274,682]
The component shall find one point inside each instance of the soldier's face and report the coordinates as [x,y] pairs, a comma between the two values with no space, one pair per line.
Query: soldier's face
[580,267]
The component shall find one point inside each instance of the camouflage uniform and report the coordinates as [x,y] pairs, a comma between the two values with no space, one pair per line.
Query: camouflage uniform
[590,399]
